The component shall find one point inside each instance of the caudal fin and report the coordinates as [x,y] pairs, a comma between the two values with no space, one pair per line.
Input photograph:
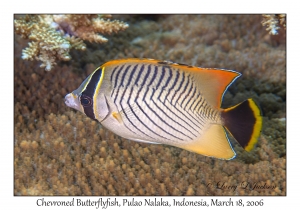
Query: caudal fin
[244,123]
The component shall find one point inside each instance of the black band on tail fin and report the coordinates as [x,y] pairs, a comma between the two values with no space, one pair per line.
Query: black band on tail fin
[244,123]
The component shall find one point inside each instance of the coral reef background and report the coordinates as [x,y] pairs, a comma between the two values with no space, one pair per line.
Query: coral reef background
[58,151]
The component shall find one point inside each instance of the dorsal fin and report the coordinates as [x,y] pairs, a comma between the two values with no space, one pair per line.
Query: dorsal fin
[213,83]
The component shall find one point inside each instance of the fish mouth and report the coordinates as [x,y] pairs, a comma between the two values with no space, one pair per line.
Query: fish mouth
[72,101]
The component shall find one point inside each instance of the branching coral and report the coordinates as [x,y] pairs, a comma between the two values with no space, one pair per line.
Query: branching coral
[273,21]
[71,155]
[53,36]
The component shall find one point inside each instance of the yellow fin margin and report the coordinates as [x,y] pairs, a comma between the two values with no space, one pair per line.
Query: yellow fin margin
[257,126]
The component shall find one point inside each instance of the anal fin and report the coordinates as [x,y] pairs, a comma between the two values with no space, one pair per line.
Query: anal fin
[213,143]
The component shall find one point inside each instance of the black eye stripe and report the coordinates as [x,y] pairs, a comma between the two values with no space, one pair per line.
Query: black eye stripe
[87,95]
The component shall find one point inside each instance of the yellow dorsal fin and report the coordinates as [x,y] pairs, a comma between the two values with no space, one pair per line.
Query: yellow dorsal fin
[213,83]
[213,143]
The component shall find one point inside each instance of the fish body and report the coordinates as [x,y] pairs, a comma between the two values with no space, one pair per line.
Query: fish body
[163,102]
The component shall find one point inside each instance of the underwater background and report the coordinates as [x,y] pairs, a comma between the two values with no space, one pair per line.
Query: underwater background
[59,151]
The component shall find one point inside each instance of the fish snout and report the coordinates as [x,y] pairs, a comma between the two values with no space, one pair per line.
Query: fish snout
[68,99]
[71,100]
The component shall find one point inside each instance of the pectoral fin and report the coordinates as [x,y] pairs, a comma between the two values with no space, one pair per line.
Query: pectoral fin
[117,116]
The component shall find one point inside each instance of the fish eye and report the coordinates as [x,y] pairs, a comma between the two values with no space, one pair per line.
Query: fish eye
[85,101]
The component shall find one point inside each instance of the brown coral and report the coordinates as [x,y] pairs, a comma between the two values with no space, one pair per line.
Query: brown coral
[65,159]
